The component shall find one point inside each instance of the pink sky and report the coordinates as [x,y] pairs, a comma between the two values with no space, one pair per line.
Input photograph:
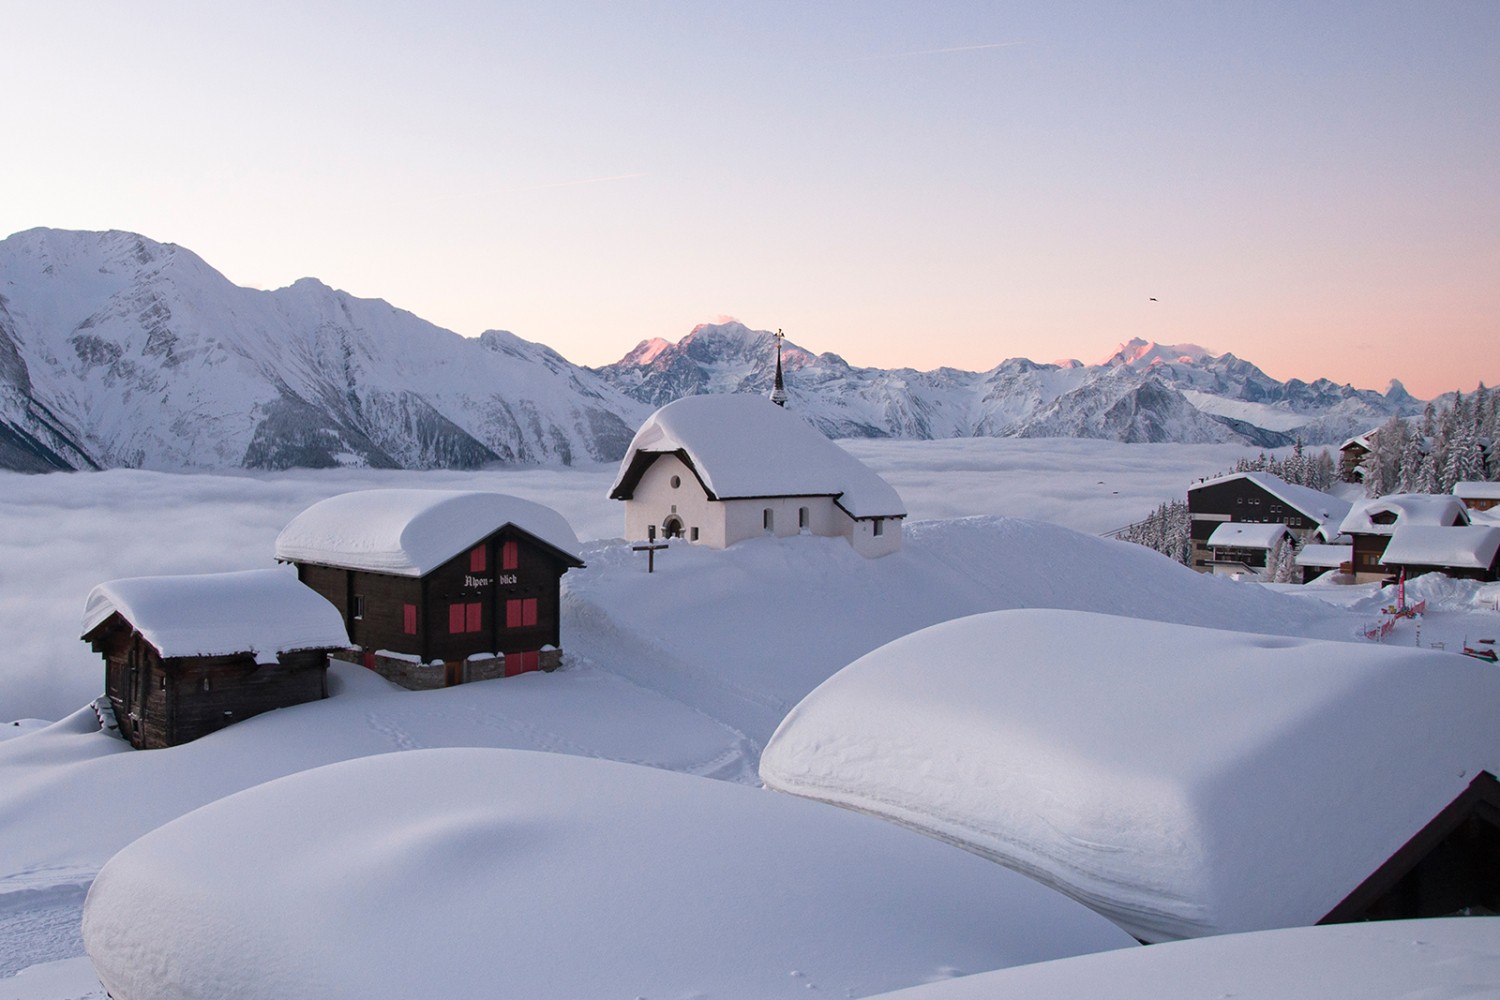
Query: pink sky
[1315,188]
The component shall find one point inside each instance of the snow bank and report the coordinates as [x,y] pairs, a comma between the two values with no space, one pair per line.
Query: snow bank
[448,873]
[746,446]
[1182,781]
[260,611]
[412,532]
[1387,960]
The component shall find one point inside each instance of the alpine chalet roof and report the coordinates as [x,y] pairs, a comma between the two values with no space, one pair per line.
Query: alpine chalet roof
[413,532]
[1437,510]
[262,611]
[1312,504]
[1182,781]
[741,445]
[1461,547]
[1248,536]
[1326,556]
[1477,491]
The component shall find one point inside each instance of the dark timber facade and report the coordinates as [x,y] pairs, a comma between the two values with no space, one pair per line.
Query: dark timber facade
[165,701]
[1242,500]
[500,595]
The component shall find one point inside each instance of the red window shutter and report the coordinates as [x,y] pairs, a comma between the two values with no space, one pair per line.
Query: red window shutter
[455,619]
[472,619]
[528,611]
[476,560]
[530,660]
[513,614]
[510,556]
[409,619]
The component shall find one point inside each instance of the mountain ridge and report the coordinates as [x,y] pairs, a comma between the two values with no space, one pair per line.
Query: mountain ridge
[116,350]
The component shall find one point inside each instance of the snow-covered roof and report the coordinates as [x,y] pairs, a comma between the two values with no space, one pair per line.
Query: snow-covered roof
[413,532]
[1461,547]
[1477,491]
[1365,440]
[741,445]
[1312,504]
[1438,510]
[481,872]
[1248,536]
[1182,781]
[261,611]
[1330,556]
[1375,960]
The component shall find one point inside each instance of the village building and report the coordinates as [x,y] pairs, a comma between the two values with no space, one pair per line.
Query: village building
[1245,549]
[1258,498]
[1183,781]
[187,655]
[1316,559]
[438,587]
[1478,496]
[721,469]
[1352,455]
[1370,525]
[1468,552]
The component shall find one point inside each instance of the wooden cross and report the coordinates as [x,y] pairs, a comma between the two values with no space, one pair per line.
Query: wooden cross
[650,548]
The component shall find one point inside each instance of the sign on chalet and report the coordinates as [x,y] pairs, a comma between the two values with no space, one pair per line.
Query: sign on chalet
[438,587]
[721,469]
[187,655]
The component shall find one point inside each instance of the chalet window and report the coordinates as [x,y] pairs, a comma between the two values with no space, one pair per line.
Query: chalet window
[693,534]
[768,520]
[676,481]
[804,517]
[476,559]
[464,618]
[879,527]
[520,612]
[510,555]
[359,606]
[409,619]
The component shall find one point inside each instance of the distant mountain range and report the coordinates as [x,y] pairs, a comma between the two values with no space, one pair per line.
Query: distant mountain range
[119,351]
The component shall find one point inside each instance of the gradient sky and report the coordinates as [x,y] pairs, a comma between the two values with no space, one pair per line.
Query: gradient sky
[1312,186]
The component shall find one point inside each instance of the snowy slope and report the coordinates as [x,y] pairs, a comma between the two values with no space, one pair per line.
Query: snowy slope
[467,873]
[142,355]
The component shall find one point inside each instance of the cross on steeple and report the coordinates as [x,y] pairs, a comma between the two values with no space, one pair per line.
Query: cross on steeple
[778,393]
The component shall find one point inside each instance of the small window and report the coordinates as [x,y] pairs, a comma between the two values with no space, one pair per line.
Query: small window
[359,607]
[409,619]
[768,520]
[464,618]
[692,534]
[879,527]
[804,517]
[510,555]
[676,481]
[520,612]
[477,560]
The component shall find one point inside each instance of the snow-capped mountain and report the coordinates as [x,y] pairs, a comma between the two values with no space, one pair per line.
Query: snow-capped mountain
[1144,392]
[119,351]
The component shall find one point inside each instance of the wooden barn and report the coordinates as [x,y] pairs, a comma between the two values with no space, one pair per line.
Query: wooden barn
[187,655]
[1371,524]
[438,587]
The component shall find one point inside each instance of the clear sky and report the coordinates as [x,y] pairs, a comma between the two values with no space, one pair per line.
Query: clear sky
[1312,186]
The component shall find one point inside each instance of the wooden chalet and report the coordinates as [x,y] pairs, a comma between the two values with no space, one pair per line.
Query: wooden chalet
[1238,549]
[1478,495]
[1370,525]
[1466,552]
[1352,455]
[438,587]
[187,655]
[1258,498]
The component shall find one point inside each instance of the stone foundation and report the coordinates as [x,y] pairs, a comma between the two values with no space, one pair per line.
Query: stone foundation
[428,676]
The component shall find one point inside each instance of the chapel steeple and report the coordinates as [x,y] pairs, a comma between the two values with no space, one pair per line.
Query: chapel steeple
[778,392]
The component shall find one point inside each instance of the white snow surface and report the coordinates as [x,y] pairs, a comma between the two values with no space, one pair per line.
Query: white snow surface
[1383,960]
[746,446]
[471,872]
[412,532]
[1436,510]
[1461,546]
[1246,535]
[1182,781]
[259,611]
